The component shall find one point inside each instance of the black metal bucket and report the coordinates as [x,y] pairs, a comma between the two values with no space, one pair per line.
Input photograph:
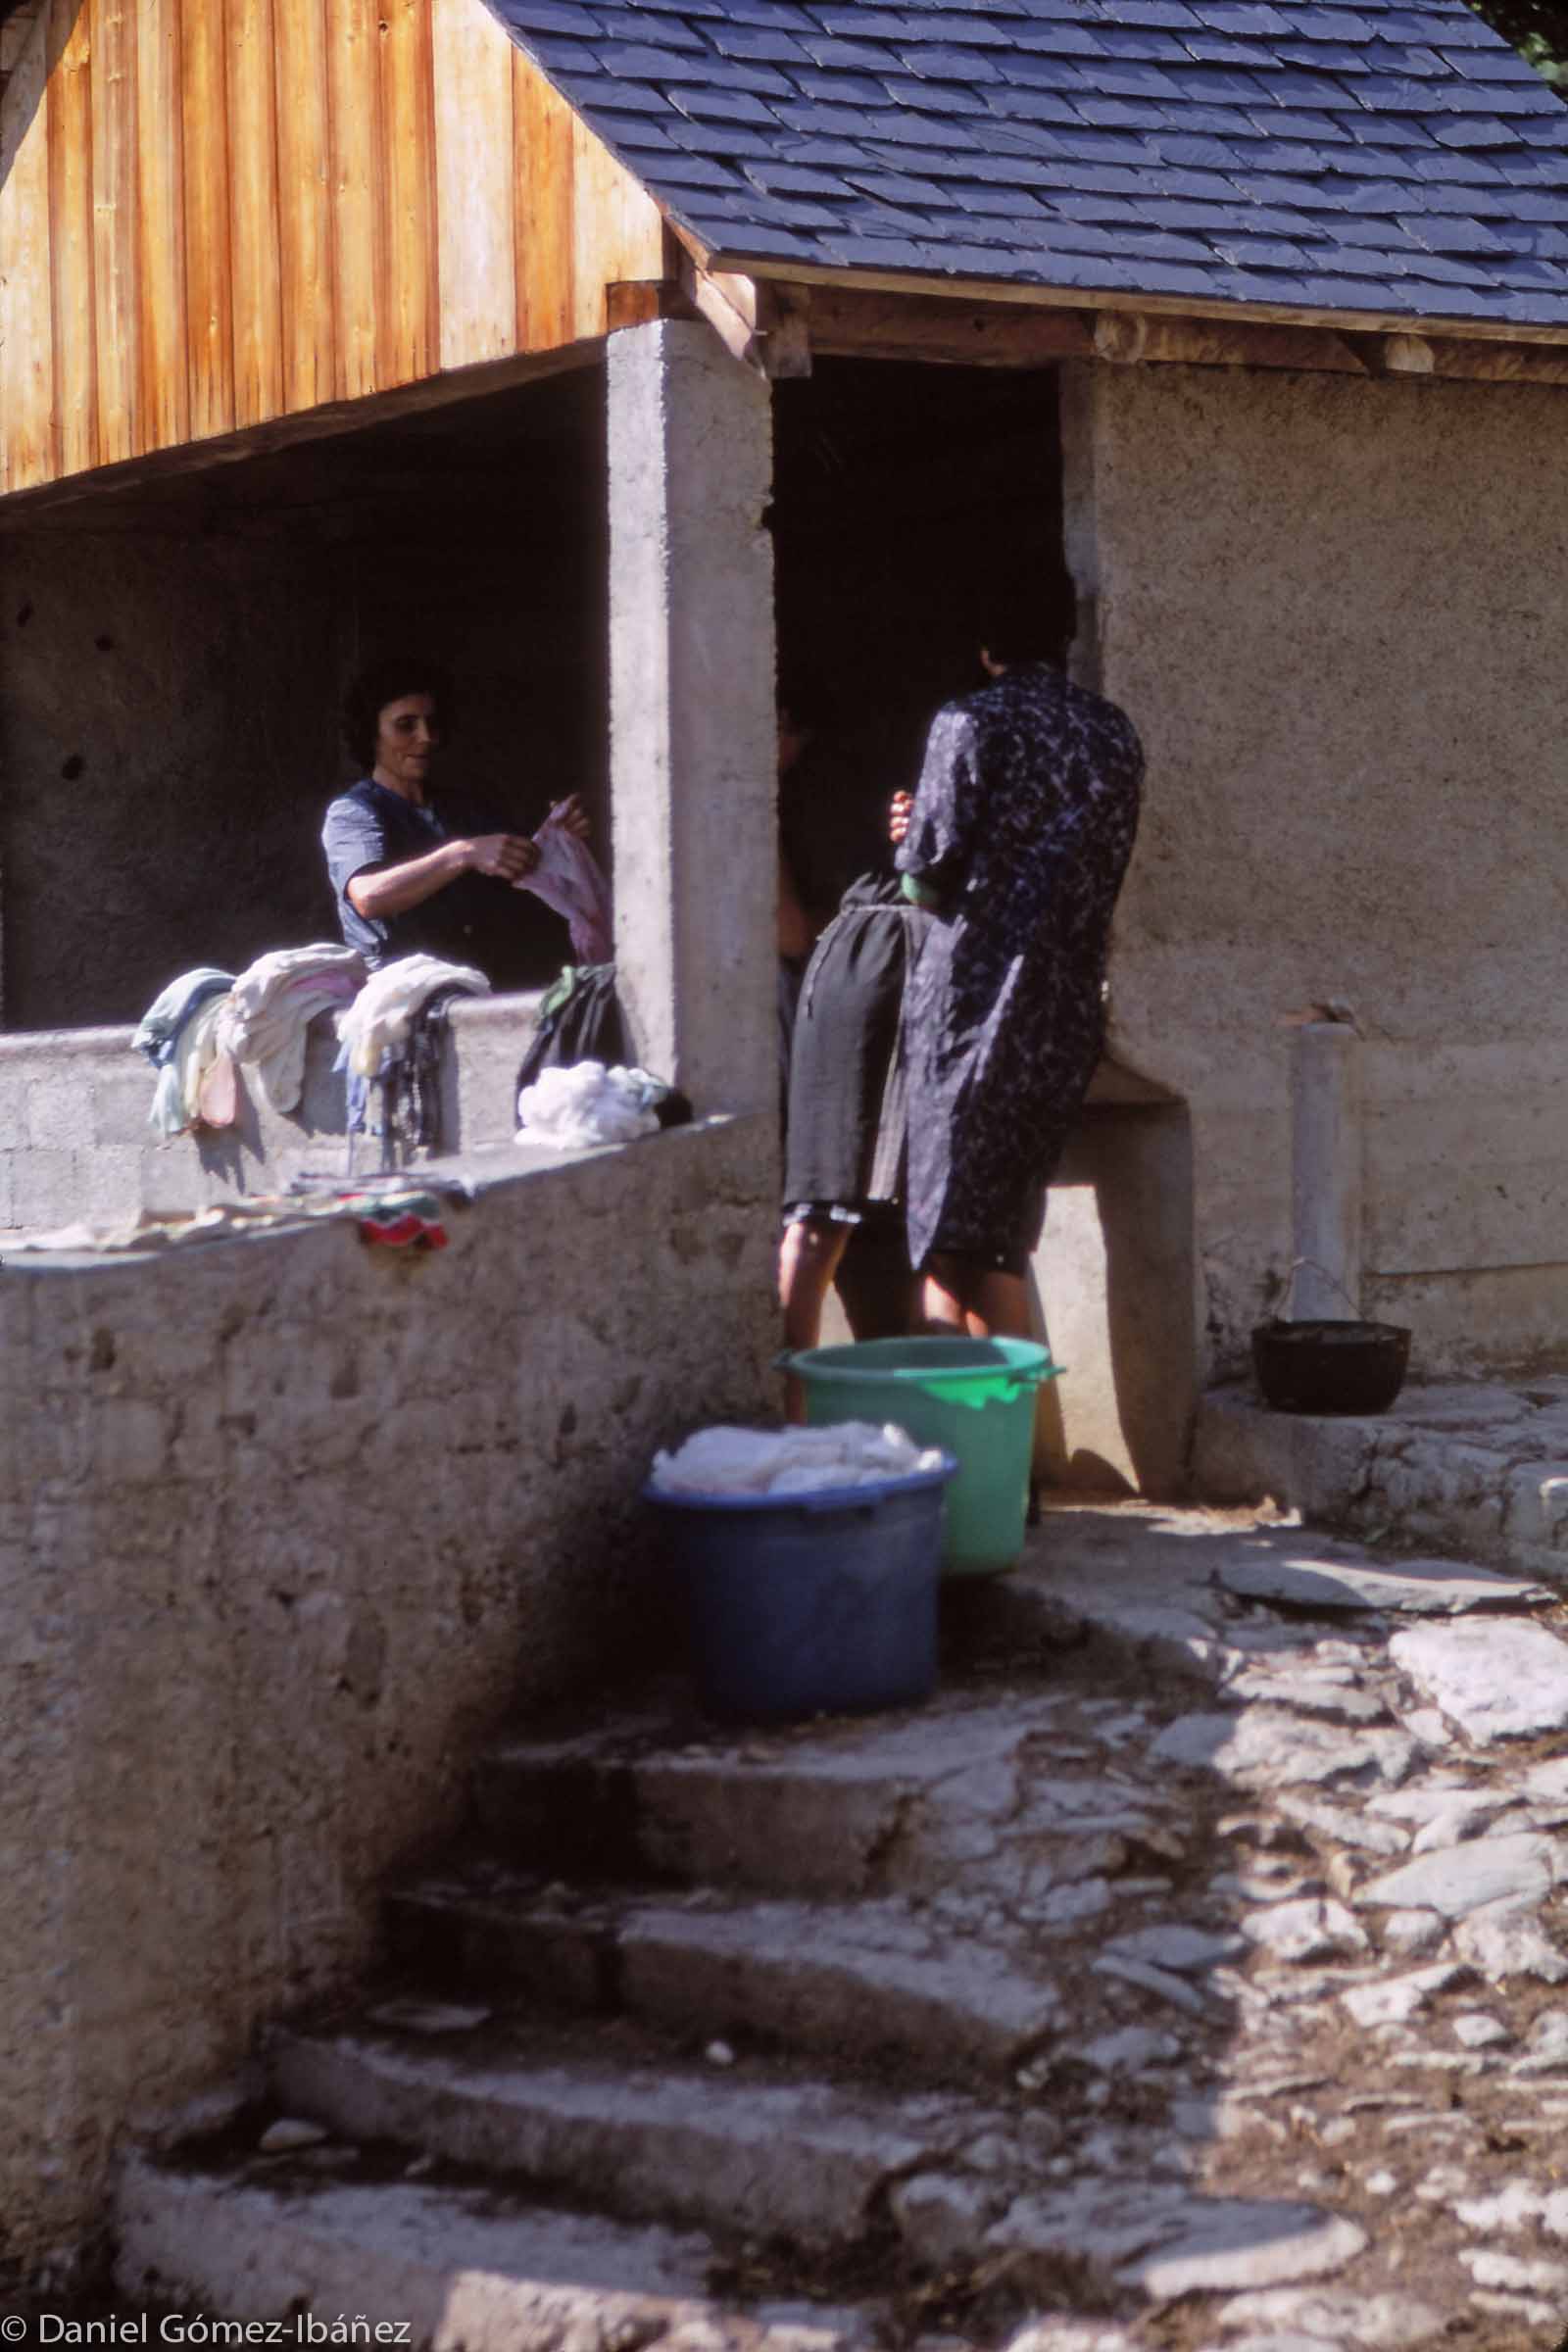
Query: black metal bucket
[1329,1367]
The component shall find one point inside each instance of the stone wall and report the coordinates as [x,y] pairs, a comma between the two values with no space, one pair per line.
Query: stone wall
[1334,606]
[285,1524]
[74,1140]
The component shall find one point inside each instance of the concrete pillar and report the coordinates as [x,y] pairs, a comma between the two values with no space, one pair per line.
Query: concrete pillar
[1326,1171]
[694,758]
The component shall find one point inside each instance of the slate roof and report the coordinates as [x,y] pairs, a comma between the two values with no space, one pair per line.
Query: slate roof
[1342,155]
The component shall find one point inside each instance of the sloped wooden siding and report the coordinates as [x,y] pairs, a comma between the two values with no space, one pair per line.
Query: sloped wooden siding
[215,212]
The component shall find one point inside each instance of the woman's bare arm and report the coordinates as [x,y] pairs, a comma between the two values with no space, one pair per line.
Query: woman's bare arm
[393,889]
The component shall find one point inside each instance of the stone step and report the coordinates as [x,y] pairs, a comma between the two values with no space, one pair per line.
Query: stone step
[1474,1470]
[465,2268]
[738,2149]
[1011,1794]
[871,1983]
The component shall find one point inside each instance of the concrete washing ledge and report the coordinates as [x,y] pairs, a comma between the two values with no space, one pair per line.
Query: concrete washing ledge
[76,1143]
[1477,1469]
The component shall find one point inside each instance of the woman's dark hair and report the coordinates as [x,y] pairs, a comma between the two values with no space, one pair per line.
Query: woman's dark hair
[387,680]
[1031,621]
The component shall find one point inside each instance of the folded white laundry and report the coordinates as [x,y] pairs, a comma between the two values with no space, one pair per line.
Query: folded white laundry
[271,1006]
[725,1460]
[381,1014]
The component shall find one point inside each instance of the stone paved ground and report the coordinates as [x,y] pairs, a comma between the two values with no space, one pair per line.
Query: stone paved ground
[1475,1468]
[1188,1976]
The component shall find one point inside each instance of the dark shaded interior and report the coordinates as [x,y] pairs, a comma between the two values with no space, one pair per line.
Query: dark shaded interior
[175,652]
[905,497]
[173,661]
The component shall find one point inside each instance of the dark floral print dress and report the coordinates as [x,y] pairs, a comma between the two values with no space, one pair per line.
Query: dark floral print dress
[1023,822]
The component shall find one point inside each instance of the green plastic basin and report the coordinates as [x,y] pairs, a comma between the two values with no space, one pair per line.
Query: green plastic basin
[974,1398]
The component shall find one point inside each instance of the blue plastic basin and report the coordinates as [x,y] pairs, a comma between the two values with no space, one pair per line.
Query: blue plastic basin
[823,1603]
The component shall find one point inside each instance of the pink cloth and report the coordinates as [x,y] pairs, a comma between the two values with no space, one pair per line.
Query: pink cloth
[568,878]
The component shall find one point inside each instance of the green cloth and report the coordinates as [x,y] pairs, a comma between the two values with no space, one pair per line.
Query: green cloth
[919,894]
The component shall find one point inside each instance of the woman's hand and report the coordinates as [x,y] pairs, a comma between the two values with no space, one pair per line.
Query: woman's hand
[899,816]
[572,813]
[507,856]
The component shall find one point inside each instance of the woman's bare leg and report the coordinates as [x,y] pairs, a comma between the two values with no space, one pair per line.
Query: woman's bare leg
[981,1302]
[808,1260]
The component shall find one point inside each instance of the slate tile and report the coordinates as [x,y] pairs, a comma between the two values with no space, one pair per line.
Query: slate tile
[1328,293]
[1221,85]
[764,44]
[1376,163]
[846,155]
[763,12]
[1263,253]
[1125,77]
[628,58]
[1174,15]
[1450,232]
[762,241]
[828,50]
[637,134]
[628,97]
[1473,131]
[731,140]
[724,106]
[1091,146]
[698,172]
[549,16]
[1036,102]
[813,116]
[934,96]
[1325,57]
[560,56]
[889,187]
[794,179]
[1109,211]
[625,25]
[1486,65]
[1173,180]
[1007,204]
[1113,114]
[903,127]
[1242,15]
[1143,41]
[1219,49]
[1036,169]
[939,61]
[1317,129]
[868,88]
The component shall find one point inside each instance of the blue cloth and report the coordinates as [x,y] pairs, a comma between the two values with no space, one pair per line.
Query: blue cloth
[477,919]
[160,1025]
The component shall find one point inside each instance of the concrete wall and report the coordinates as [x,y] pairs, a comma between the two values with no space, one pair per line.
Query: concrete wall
[75,1144]
[1335,609]
[167,741]
[284,1526]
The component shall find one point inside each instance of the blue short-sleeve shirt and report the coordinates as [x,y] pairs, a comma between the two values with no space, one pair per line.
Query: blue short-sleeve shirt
[477,919]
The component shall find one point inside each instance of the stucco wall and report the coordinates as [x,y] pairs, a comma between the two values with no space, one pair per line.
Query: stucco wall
[1335,609]
[284,1524]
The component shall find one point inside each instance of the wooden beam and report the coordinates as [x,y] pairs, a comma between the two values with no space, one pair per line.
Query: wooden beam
[1132,338]
[765,327]
[1016,294]
[847,322]
[639,300]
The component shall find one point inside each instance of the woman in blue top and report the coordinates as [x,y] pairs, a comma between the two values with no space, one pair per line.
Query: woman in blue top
[416,866]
